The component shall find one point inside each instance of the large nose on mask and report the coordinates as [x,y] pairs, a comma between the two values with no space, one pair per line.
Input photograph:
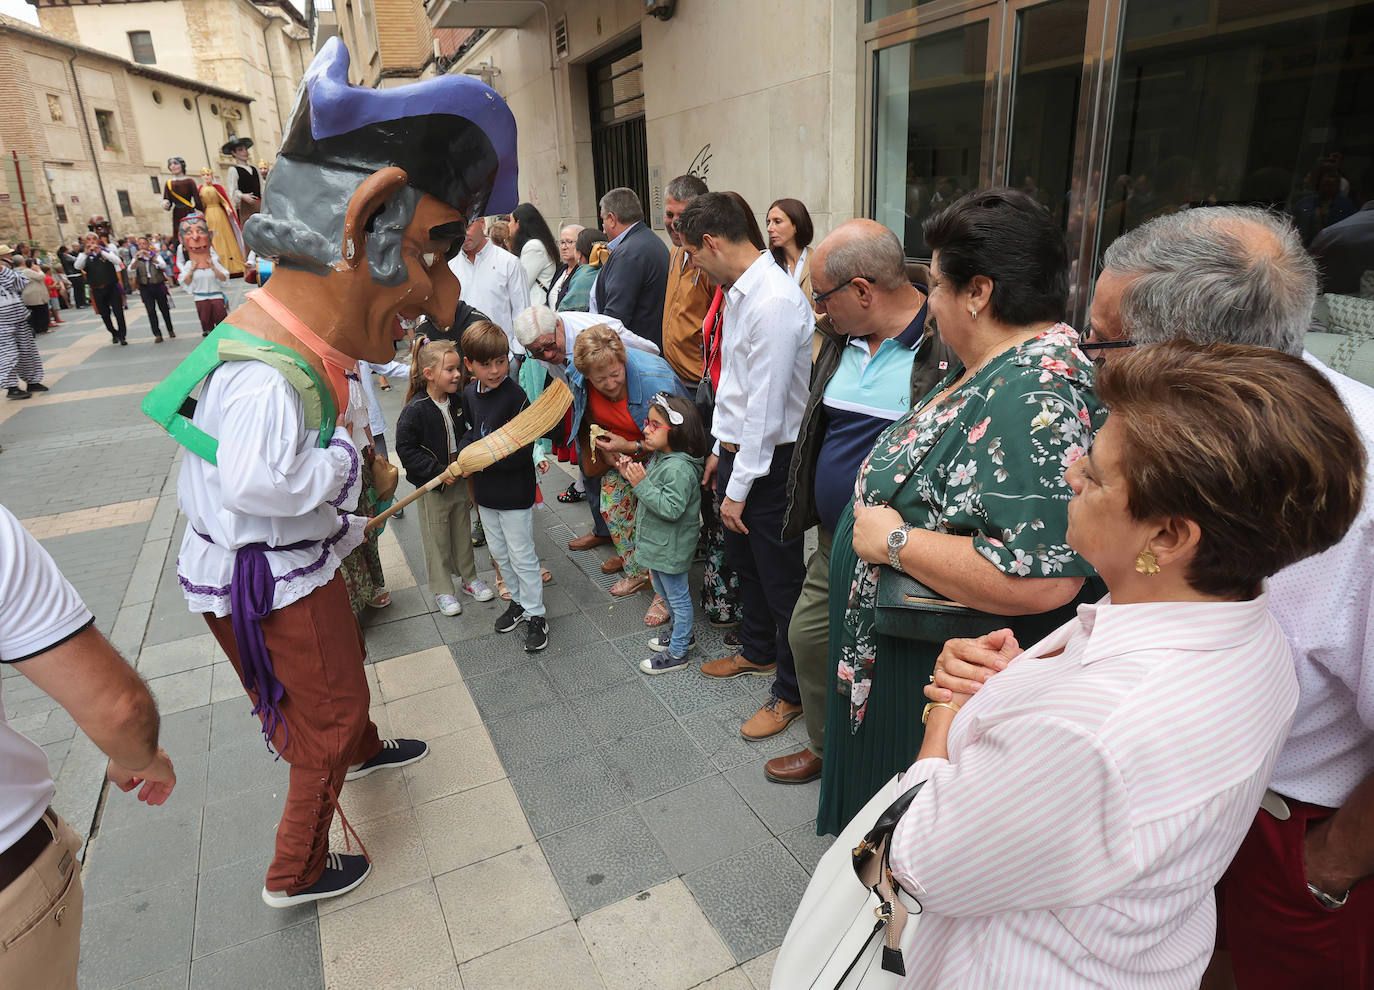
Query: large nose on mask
[443,297]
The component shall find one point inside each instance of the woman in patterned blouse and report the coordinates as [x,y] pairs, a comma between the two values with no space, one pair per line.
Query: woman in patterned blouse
[974,474]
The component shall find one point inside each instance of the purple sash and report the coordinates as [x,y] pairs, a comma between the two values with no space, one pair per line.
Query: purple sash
[251,592]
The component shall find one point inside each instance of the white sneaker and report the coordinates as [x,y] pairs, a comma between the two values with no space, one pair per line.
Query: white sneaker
[479,591]
[448,604]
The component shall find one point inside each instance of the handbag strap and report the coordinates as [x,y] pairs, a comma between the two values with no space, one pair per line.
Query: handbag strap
[892,914]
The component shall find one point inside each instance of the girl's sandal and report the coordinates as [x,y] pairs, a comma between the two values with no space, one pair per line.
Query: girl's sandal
[381,600]
[502,590]
[546,574]
[630,586]
[657,614]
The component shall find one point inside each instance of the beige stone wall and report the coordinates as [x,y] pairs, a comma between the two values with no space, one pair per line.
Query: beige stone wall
[772,86]
[43,125]
[228,43]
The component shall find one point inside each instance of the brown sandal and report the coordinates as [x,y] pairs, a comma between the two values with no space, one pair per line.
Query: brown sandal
[627,586]
[658,612]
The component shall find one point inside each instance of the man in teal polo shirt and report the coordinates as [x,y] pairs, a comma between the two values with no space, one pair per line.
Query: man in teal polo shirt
[875,362]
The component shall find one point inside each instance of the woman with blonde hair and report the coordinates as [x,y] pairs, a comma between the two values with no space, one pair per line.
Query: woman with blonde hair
[610,407]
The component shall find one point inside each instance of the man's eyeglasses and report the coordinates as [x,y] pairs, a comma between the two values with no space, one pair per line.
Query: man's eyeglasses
[818,298]
[543,348]
[1104,345]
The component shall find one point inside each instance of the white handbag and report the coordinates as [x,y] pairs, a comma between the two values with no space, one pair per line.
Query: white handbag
[855,923]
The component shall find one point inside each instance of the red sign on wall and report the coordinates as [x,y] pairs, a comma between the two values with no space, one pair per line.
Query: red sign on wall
[4,197]
[76,199]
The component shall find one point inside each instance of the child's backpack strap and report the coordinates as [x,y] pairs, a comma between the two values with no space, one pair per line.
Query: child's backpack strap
[170,405]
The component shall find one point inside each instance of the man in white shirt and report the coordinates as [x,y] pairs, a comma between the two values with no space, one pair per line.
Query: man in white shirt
[1241,275]
[49,636]
[765,368]
[492,280]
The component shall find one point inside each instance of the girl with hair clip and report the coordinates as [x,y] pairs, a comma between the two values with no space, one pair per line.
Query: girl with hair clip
[666,522]
[427,438]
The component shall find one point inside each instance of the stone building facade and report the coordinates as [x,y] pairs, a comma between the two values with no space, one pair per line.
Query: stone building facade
[390,42]
[257,49]
[83,132]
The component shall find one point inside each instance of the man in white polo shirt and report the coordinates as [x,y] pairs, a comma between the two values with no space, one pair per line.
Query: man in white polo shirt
[48,635]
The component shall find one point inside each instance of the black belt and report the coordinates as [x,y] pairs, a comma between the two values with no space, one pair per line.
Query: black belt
[22,854]
[733,448]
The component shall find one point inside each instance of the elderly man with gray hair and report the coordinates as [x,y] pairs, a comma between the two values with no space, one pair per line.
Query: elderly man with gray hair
[1296,906]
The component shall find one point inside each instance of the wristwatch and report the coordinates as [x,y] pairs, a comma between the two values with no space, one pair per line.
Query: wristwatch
[1328,901]
[895,541]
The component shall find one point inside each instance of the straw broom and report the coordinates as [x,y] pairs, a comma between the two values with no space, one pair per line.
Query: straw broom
[542,415]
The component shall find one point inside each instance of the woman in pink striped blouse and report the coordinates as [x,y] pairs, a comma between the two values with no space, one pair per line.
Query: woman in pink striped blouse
[1079,809]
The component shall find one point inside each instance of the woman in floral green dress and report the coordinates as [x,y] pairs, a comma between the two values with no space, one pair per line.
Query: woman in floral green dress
[974,473]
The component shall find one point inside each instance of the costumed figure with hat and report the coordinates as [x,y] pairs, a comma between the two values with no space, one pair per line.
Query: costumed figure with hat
[201,272]
[223,222]
[180,194]
[243,181]
[371,192]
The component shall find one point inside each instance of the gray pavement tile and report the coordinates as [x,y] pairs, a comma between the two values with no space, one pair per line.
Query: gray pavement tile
[782,807]
[232,722]
[625,617]
[185,732]
[619,710]
[716,730]
[482,651]
[702,823]
[176,978]
[557,602]
[396,639]
[125,861]
[656,760]
[176,656]
[171,619]
[137,936]
[750,897]
[573,630]
[125,810]
[229,908]
[178,692]
[287,958]
[584,669]
[808,847]
[602,861]
[539,735]
[511,692]
[241,827]
[246,767]
[690,691]
[406,603]
[56,752]
[54,725]
[565,793]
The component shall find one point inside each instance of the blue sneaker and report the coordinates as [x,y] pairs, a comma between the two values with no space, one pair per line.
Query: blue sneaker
[662,663]
[341,874]
[661,642]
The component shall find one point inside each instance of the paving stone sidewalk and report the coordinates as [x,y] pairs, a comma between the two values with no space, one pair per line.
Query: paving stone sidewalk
[577,824]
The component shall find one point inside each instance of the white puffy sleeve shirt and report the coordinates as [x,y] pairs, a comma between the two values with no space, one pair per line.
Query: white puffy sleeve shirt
[1092,799]
[273,484]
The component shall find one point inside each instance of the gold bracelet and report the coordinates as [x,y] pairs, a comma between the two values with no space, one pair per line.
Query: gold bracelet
[925,715]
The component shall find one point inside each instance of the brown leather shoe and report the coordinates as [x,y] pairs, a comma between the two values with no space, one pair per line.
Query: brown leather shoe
[613,563]
[794,768]
[588,541]
[736,666]
[771,719]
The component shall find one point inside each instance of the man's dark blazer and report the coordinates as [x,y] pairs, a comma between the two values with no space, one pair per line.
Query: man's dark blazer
[633,281]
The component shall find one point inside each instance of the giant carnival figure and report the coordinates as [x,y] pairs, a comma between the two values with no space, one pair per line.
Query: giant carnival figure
[223,222]
[243,181]
[371,192]
[180,194]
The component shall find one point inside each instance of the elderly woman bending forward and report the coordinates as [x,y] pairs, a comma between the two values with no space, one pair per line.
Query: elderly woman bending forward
[617,389]
[1078,809]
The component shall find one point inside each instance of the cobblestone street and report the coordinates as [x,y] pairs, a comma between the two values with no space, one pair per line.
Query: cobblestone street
[576,824]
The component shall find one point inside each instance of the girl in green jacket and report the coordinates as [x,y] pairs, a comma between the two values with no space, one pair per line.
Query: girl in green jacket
[667,520]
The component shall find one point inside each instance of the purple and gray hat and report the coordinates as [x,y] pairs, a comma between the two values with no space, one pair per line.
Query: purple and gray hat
[453,135]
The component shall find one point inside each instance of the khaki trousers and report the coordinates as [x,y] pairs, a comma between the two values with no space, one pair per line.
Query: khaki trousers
[809,635]
[446,530]
[40,917]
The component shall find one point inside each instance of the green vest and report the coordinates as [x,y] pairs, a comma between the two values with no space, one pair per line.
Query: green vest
[170,405]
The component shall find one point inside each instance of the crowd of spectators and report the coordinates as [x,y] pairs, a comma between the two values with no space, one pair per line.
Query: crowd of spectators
[1117,526]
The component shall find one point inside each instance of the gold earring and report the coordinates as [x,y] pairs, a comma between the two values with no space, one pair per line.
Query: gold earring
[1145,563]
